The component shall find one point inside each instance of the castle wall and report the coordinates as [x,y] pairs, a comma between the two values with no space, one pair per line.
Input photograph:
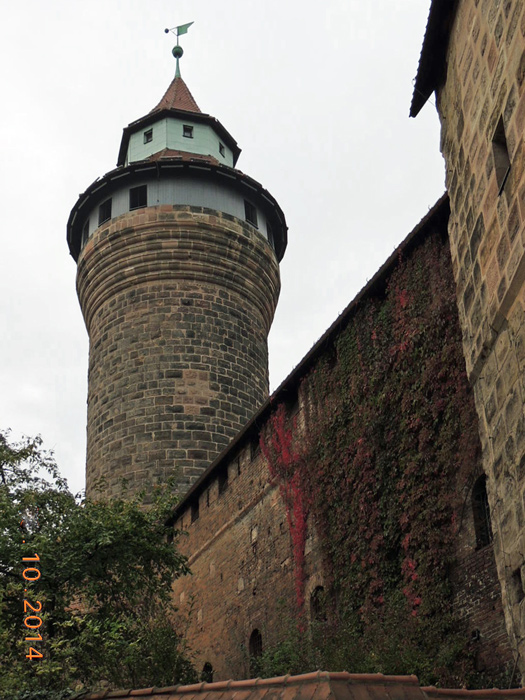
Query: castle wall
[240,557]
[477,596]
[240,547]
[178,302]
[482,111]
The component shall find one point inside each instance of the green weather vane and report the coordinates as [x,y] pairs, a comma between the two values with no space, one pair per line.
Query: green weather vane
[177,50]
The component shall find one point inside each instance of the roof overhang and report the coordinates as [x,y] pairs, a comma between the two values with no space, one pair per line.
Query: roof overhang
[432,61]
[103,187]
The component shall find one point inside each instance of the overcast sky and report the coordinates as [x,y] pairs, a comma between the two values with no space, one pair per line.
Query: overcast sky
[316,94]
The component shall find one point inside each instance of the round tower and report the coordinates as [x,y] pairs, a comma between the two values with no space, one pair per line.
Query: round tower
[178,280]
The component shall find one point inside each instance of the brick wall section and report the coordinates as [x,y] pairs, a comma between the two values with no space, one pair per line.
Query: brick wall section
[485,83]
[178,302]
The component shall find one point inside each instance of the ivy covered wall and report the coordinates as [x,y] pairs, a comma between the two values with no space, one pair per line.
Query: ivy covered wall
[382,460]
[348,540]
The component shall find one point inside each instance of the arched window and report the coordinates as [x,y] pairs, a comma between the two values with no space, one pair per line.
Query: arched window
[255,645]
[318,605]
[255,649]
[481,512]
[207,673]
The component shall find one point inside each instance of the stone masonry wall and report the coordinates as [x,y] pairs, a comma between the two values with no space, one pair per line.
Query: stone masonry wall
[178,303]
[477,595]
[482,111]
[240,554]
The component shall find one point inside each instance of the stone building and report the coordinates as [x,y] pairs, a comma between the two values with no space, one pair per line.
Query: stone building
[178,279]
[473,57]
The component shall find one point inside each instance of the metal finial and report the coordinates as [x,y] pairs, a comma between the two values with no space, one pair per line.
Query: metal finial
[177,50]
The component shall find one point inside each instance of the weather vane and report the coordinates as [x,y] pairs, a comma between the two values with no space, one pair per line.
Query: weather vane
[177,50]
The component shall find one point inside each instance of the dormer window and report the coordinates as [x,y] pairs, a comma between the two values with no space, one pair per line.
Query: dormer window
[187,131]
[250,213]
[222,149]
[148,136]
[104,212]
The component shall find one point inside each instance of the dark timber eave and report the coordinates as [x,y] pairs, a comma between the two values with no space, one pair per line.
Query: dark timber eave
[103,187]
[432,61]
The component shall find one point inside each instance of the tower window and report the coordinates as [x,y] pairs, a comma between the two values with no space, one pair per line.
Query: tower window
[85,232]
[104,212]
[500,152]
[138,197]
[187,131]
[222,150]
[269,233]
[148,136]
[481,512]
[250,213]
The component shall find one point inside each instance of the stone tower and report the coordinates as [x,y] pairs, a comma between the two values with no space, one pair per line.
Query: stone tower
[473,57]
[178,279]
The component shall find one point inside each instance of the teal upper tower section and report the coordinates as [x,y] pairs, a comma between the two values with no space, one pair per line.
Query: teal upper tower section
[176,127]
[176,155]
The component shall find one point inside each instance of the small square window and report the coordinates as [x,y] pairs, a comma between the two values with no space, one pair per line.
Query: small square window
[138,197]
[148,136]
[222,150]
[104,212]
[250,213]
[187,131]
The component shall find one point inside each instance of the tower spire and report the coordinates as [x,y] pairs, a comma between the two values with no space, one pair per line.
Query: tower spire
[177,50]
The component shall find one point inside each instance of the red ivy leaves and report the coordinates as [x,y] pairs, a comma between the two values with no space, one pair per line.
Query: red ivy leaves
[286,465]
[389,440]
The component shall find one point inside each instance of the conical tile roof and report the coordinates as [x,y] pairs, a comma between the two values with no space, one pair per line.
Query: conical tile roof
[177,96]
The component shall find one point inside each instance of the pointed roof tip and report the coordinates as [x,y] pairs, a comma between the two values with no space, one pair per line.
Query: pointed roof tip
[177,96]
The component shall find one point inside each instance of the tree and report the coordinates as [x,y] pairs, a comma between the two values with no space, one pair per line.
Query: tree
[89,581]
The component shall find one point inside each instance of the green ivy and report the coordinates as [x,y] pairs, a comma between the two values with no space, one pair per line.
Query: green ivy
[390,442]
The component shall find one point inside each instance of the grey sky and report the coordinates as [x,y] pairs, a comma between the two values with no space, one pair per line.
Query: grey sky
[317,95]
